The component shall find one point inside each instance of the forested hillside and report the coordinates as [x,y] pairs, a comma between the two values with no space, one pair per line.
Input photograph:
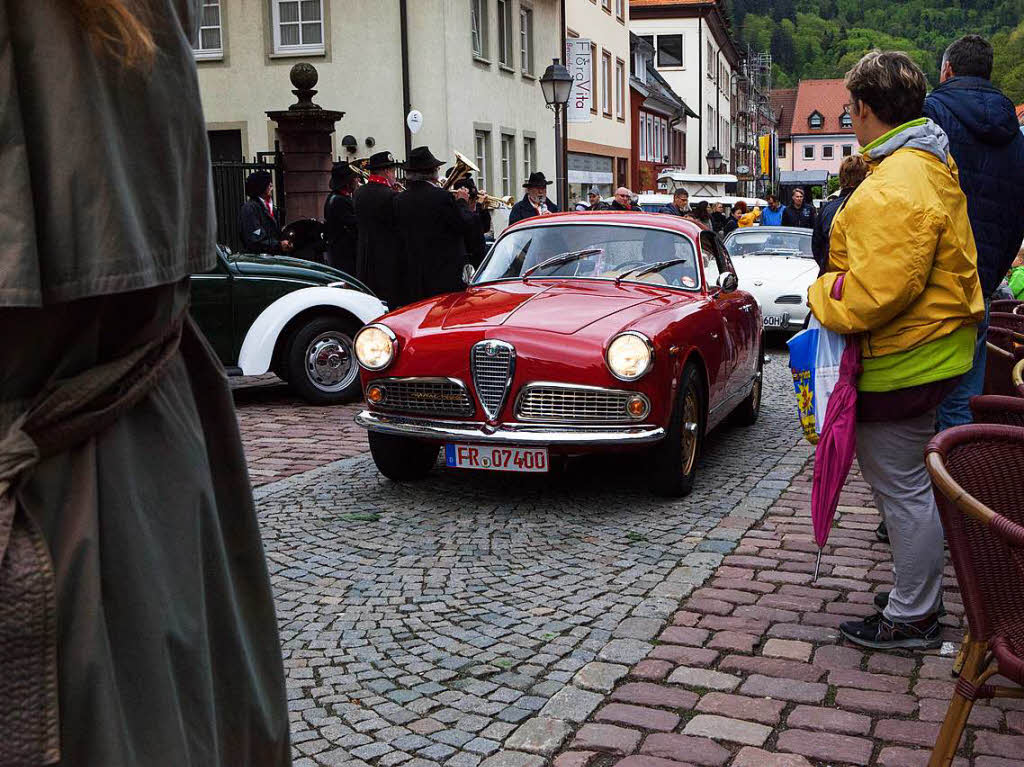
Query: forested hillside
[823,38]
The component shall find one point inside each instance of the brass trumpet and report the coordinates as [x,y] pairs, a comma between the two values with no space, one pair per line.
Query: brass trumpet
[491,202]
[460,169]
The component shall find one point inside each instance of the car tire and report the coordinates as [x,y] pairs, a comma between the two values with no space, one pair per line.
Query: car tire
[402,459]
[749,409]
[674,464]
[321,364]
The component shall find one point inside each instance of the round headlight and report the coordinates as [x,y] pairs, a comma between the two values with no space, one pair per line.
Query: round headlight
[376,347]
[629,356]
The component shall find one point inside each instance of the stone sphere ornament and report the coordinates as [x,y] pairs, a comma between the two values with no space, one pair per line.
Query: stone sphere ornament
[304,77]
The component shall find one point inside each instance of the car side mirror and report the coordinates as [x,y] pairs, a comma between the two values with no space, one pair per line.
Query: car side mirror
[728,282]
[468,273]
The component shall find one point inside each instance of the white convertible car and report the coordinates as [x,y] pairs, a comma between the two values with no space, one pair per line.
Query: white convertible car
[775,265]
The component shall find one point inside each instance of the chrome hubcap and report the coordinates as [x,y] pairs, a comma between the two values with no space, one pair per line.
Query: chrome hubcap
[691,420]
[329,362]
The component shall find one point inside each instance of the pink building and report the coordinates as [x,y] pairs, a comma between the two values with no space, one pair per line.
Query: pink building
[821,133]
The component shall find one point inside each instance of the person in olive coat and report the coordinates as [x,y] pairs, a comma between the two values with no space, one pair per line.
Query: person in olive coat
[340,227]
[379,251]
[257,220]
[433,223]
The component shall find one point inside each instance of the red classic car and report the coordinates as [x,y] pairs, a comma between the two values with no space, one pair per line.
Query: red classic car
[581,332]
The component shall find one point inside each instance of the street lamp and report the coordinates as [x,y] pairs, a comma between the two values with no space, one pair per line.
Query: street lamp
[714,158]
[556,84]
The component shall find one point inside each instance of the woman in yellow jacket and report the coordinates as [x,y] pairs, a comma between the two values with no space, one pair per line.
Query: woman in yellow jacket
[903,277]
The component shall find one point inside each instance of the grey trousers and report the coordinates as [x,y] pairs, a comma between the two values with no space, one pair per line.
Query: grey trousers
[891,458]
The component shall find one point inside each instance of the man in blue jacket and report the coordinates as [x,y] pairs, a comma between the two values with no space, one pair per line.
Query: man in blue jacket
[988,147]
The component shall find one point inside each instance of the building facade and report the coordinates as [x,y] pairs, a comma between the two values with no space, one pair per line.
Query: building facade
[821,131]
[473,72]
[695,53]
[658,120]
[783,102]
[599,150]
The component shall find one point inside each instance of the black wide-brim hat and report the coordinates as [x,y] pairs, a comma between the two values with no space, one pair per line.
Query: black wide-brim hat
[340,173]
[257,182]
[536,179]
[422,160]
[381,161]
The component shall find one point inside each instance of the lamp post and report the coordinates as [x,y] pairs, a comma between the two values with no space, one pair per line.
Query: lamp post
[714,158]
[556,83]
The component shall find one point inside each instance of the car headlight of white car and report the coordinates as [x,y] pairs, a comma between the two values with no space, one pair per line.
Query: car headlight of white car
[630,355]
[376,346]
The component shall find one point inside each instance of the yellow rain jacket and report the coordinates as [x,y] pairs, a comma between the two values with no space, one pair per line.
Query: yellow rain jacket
[905,245]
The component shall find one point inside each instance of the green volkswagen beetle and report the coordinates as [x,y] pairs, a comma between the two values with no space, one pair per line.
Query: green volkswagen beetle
[284,315]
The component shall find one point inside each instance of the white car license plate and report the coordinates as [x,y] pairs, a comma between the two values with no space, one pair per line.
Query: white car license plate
[527,459]
[776,320]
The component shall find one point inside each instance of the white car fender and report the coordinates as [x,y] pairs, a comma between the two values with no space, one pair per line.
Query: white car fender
[258,346]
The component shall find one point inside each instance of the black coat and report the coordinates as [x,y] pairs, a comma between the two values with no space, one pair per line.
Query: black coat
[259,230]
[379,258]
[433,230]
[476,246]
[524,209]
[731,225]
[803,216]
[341,231]
[986,143]
[718,221]
[823,229]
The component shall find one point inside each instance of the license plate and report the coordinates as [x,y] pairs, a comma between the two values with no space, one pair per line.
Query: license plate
[776,320]
[526,459]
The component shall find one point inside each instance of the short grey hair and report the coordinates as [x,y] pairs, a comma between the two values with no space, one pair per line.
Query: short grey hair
[421,175]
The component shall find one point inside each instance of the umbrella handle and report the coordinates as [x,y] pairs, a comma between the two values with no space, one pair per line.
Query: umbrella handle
[817,564]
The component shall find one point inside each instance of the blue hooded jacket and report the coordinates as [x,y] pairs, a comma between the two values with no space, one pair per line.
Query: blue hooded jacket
[988,147]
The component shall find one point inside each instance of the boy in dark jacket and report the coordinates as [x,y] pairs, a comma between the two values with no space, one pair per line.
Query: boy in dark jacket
[988,147]
[257,220]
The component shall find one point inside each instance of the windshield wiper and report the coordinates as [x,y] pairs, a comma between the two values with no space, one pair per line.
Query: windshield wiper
[649,269]
[561,258]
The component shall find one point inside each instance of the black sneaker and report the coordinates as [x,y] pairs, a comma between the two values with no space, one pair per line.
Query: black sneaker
[882,599]
[879,633]
[882,533]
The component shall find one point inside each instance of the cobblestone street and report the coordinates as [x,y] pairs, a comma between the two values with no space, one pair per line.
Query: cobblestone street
[574,618]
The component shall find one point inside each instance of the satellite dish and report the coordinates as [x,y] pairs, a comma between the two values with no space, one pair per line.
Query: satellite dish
[415,121]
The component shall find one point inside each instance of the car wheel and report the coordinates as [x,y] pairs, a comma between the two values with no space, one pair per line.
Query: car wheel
[748,410]
[402,459]
[674,467]
[321,363]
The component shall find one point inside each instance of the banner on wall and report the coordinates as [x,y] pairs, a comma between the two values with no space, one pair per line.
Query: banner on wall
[580,65]
[764,145]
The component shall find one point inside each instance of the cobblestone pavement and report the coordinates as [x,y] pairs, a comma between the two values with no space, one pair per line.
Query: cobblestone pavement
[424,624]
[751,672]
[283,435]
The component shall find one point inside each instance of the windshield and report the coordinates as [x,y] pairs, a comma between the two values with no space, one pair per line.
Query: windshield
[760,241]
[598,252]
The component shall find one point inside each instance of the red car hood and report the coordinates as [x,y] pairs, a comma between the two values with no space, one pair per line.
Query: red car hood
[558,307]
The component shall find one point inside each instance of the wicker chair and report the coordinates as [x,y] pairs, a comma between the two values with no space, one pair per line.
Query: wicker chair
[991,408]
[1005,305]
[1007,320]
[1017,377]
[1005,349]
[976,471]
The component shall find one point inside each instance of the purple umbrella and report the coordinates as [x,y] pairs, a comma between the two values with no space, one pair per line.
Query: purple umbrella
[837,444]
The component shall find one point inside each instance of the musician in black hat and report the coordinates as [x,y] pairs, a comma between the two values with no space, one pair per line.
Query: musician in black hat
[535,202]
[379,251]
[340,228]
[257,220]
[476,246]
[434,224]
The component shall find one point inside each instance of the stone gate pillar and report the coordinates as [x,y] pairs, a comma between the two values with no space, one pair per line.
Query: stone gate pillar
[304,130]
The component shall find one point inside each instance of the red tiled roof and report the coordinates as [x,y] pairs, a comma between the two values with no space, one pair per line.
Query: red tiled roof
[1020,113]
[824,96]
[783,101]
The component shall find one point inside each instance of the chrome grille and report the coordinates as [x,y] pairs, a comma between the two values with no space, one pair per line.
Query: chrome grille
[558,402]
[493,364]
[432,396]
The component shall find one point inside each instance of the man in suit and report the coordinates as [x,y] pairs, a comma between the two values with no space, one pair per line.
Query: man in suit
[535,202]
[257,220]
[476,246]
[433,224]
[379,251]
[340,226]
